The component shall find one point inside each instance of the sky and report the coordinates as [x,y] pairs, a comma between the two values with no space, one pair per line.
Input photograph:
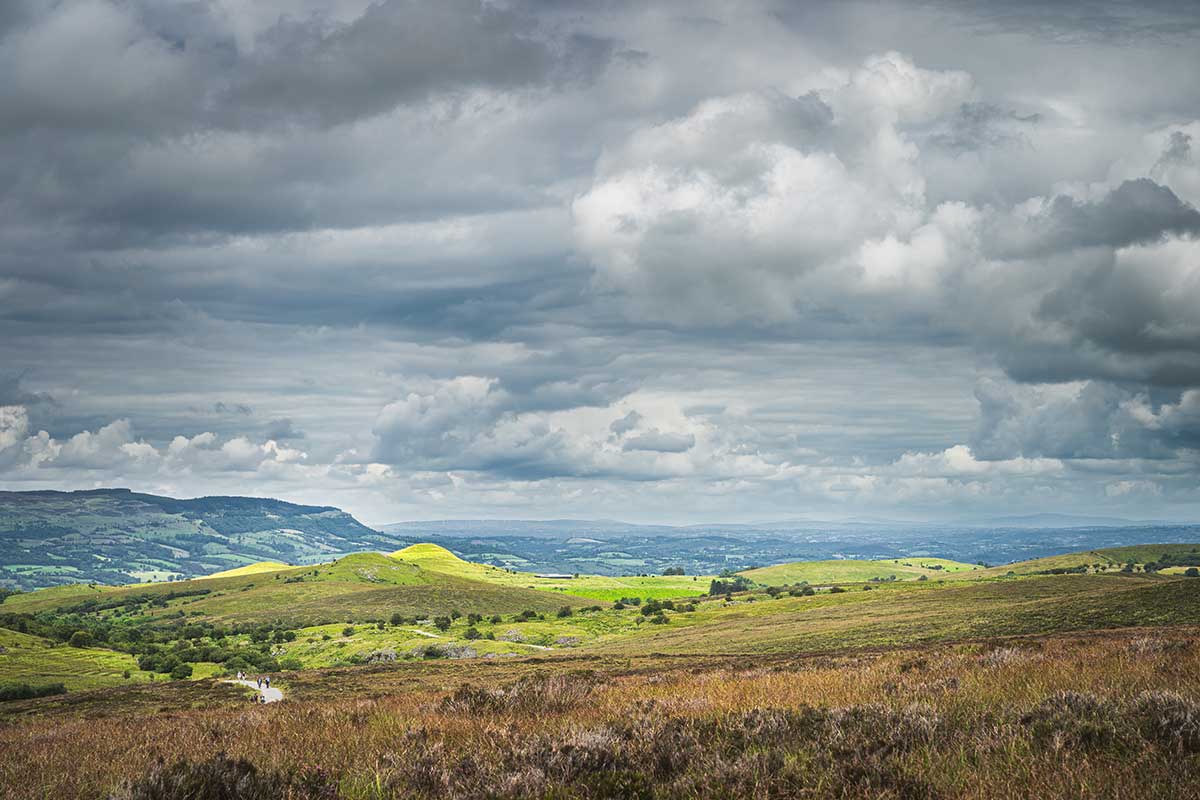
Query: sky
[672,262]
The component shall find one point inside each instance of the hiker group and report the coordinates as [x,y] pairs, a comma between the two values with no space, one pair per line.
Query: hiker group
[263,682]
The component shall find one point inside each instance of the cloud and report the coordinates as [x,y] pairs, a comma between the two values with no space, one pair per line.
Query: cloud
[558,258]
[657,441]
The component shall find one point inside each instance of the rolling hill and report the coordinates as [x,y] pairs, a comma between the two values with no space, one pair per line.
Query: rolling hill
[356,588]
[596,587]
[114,536]
[855,571]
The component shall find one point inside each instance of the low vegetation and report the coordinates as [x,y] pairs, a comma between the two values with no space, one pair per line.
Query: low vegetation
[1047,717]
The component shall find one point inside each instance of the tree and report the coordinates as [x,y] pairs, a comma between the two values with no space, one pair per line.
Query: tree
[673,571]
[397,619]
[81,639]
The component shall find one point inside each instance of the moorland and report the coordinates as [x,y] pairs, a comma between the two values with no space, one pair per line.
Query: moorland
[415,673]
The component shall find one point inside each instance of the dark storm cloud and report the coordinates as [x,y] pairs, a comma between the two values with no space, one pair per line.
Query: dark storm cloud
[1135,212]
[397,51]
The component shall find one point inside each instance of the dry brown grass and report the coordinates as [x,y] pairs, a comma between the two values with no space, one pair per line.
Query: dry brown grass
[1092,716]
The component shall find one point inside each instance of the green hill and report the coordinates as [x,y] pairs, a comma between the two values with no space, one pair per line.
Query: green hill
[250,569]
[114,536]
[35,660]
[355,588]
[596,587]
[855,571]
[1111,559]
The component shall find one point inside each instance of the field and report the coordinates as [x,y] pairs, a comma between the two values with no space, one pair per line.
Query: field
[1050,717]
[596,587]
[422,675]
[856,571]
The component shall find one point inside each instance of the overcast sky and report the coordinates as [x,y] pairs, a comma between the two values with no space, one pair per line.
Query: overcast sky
[679,262]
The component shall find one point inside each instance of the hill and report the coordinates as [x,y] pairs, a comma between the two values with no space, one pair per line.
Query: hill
[596,587]
[1108,559]
[855,571]
[356,588]
[250,569]
[115,536]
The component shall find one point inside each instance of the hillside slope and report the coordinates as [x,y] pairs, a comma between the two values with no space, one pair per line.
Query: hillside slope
[114,536]
[356,588]
[855,571]
[1109,559]
[596,587]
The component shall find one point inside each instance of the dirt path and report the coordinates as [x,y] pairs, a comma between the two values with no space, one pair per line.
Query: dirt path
[271,695]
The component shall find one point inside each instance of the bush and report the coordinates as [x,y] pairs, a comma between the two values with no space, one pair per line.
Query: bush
[181,672]
[81,639]
[495,620]
[441,623]
[1192,572]
[836,590]
[539,694]
[1169,720]
[222,778]
[565,611]
[348,631]
[471,633]
[25,691]
[1076,720]
[290,664]
[659,619]
[397,619]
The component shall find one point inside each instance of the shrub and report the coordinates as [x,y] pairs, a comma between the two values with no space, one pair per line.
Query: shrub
[348,631]
[495,620]
[290,664]
[565,611]
[25,691]
[441,623]
[1169,720]
[540,694]
[81,639]
[836,590]
[396,619]
[222,778]
[181,672]
[471,633]
[1192,572]
[1077,721]
[659,619]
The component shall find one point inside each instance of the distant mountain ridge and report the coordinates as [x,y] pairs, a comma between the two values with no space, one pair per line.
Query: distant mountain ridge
[118,536]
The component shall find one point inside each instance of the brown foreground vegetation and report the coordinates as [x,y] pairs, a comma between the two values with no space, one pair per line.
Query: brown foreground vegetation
[1112,715]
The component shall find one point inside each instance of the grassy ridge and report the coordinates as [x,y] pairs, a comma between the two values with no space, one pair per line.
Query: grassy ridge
[596,587]
[905,614]
[855,571]
[248,569]
[31,659]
